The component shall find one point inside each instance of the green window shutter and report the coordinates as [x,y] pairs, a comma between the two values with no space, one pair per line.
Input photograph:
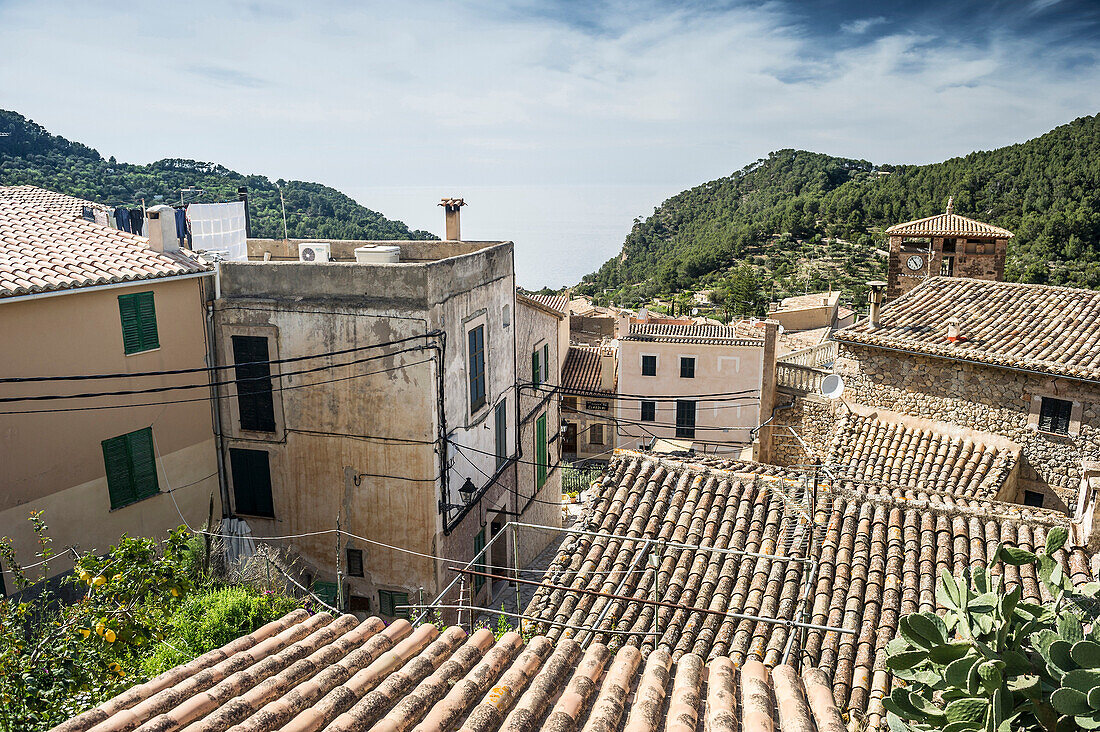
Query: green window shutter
[252,482]
[535,371]
[479,565]
[541,457]
[143,463]
[545,362]
[116,460]
[138,315]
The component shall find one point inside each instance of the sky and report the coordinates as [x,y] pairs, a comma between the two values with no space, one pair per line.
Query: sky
[559,122]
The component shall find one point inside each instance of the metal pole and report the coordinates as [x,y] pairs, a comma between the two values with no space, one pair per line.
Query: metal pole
[339,567]
[515,567]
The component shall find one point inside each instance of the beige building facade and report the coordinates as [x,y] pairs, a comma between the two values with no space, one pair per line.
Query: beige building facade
[699,383]
[100,467]
[588,399]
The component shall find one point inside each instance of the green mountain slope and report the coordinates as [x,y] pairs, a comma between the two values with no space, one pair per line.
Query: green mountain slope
[31,155]
[784,215]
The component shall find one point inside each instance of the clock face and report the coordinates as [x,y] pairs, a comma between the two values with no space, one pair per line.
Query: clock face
[915,262]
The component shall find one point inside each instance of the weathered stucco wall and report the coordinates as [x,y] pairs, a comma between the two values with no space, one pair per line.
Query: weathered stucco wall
[54,461]
[982,398]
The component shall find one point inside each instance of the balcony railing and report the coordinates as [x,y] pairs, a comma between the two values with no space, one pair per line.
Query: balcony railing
[802,379]
[819,356]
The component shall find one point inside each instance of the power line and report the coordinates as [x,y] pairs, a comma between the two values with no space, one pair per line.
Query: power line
[219,396]
[652,397]
[207,369]
[178,387]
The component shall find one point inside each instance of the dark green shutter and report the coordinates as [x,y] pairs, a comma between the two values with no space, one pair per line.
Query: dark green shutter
[479,564]
[545,363]
[502,433]
[131,465]
[252,482]
[541,452]
[535,371]
[255,404]
[116,459]
[138,315]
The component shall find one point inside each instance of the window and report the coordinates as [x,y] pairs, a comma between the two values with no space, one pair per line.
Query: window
[139,322]
[595,434]
[325,592]
[253,374]
[131,466]
[545,362]
[505,316]
[502,432]
[479,559]
[685,419]
[947,267]
[1033,498]
[687,367]
[476,353]
[542,452]
[569,404]
[252,482]
[649,365]
[355,562]
[388,603]
[1054,415]
[536,369]
[649,411]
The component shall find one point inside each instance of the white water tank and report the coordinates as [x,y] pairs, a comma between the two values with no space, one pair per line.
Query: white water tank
[378,254]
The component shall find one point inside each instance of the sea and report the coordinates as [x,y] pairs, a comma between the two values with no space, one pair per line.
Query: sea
[561,232]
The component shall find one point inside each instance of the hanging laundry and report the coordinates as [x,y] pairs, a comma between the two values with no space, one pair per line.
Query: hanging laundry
[101,217]
[88,213]
[137,221]
[122,218]
[181,227]
[219,227]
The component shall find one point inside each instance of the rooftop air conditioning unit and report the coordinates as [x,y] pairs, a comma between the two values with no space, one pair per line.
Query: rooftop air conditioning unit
[378,254]
[314,251]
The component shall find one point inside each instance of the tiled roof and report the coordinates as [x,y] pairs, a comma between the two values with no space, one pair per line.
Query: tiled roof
[869,448]
[716,335]
[559,303]
[338,674]
[52,200]
[878,553]
[43,250]
[1053,330]
[948,224]
[581,371]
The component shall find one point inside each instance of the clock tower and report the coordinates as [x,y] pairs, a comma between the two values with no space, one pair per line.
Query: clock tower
[945,245]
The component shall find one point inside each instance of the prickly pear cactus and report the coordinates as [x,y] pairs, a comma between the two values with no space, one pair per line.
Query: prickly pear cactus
[994,662]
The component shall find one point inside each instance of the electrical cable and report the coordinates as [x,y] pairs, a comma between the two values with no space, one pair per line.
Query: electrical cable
[219,396]
[209,384]
[652,397]
[207,369]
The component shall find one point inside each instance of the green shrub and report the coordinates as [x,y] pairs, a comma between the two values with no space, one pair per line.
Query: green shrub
[209,620]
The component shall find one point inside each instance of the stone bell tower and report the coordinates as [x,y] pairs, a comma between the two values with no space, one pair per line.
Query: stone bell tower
[944,245]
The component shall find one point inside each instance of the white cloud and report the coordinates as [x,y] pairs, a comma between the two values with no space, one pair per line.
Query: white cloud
[862,25]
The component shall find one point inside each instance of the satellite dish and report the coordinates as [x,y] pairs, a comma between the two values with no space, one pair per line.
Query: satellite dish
[695,311]
[832,386]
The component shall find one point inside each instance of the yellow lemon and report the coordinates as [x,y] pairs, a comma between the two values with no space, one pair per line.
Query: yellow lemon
[99,581]
[85,576]
[175,592]
[116,578]
[109,636]
[84,632]
[99,628]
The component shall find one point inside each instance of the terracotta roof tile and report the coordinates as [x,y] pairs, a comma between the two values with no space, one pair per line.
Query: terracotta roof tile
[430,682]
[721,335]
[43,250]
[558,303]
[869,448]
[581,372]
[1041,328]
[51,200]
[948,224]
[879,550]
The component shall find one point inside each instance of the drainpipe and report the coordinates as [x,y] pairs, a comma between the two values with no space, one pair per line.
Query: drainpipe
[215,407]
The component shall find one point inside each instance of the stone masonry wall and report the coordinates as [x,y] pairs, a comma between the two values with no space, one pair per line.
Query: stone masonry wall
[982,398]
[813,418]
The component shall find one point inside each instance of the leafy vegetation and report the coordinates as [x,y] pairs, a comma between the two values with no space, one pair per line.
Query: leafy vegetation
[994,662]
[144,607]
[804,221]
[30,155]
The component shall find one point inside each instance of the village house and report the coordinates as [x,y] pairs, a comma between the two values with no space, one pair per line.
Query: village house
[810,312]
[944,245]
[542,331]
[391,407]
[588,398]
[78,298]
[700,384]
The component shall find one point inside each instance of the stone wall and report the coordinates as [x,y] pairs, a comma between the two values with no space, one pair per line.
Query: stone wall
[983,398]
[813,418]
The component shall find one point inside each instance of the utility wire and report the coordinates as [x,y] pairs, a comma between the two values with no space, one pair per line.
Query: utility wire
[207,369]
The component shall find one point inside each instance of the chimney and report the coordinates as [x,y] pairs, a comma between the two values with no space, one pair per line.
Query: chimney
[622,324]
[875,299]
[767,389]
[451,207]
[160,228]
[950,205]
[607,370]
[953,333]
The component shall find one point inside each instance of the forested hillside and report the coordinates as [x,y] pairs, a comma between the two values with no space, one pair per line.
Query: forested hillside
[31,155]
[804,220]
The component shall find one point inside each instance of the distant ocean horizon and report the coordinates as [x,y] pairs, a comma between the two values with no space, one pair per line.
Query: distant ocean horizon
[561,232]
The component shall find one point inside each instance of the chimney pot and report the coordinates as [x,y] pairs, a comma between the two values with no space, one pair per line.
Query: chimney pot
[875,299]
[160,228]
[607,371]
[451,208]
[953,333]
